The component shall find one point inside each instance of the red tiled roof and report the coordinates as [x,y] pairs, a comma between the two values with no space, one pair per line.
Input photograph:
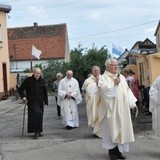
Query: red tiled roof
[50,39]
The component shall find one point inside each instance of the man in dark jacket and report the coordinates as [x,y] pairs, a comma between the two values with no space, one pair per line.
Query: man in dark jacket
[33,91]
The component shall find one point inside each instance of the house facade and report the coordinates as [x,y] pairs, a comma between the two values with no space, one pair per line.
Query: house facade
[140,60]
[149,62]
[157,34]
[52,40]
[154,59]
[4,54]
[138,54]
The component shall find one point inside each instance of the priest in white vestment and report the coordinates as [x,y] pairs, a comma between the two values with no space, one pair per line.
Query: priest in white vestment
[69,97]
[92,98]
[154,105]
[117,100]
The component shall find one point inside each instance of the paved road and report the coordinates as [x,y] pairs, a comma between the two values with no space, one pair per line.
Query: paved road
[61,144]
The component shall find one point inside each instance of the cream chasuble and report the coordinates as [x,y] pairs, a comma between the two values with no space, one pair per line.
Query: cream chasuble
[117,101]
[93,104]
[154,105]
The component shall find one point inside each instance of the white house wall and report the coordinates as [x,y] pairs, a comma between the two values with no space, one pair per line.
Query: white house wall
[23,65]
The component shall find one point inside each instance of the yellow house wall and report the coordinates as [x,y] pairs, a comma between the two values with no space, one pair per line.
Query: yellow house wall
[158,39]
[154,66]
[13,80]
[4,55]
[133,67]
[145,70]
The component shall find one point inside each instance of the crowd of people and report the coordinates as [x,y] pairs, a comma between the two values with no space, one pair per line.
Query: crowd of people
[109,99]
[141,92]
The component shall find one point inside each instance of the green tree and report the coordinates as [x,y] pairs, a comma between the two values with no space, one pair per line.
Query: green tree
[81,62]
[49,72]
[77,63]
[97,57]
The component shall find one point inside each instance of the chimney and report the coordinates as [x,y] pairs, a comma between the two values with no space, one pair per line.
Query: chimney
[35,24]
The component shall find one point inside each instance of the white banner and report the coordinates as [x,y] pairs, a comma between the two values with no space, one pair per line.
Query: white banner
[36,52]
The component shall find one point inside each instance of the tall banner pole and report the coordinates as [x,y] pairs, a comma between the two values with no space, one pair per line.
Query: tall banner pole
[31,59]
[31,65]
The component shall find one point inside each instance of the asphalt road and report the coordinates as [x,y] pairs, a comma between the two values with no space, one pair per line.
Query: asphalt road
[61,144]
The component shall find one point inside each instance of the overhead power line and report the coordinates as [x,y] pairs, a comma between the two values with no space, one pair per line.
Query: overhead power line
[10,1]
[47,7]
[116,30]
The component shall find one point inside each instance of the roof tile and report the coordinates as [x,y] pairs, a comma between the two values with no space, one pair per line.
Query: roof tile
[50,39]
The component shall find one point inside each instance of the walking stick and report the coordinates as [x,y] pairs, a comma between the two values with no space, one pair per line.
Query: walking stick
[24,119]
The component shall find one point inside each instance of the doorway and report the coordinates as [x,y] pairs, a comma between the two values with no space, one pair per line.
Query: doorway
[4,67]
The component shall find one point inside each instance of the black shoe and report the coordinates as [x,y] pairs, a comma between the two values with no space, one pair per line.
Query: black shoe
[113,157]
[95,136]
[120,156]
[112,154]
[148,113]
[69,127]
[35,136]
[40,134]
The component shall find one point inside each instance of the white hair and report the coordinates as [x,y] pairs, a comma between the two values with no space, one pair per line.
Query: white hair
[95,67]
[59,75]
[110,60]
[36,70]
[69,72]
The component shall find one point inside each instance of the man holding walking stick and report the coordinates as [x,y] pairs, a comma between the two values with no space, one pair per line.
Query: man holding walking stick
[33,92]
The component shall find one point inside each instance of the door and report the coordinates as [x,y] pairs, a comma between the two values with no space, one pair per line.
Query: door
[4,67]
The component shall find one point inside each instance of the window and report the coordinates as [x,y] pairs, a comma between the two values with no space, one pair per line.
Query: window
[141,72]
[158,40]
[0,33]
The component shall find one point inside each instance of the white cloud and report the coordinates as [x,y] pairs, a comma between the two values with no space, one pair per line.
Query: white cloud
[37,11]
[150,30]
[95,15]
[92,17]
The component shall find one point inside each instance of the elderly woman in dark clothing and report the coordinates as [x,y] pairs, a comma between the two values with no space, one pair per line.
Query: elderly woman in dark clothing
[55,89]
[33,91]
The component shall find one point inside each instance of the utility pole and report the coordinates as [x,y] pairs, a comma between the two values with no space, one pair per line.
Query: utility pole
[15,55]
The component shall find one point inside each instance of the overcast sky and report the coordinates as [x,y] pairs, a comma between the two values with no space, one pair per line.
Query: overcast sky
[99,22]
